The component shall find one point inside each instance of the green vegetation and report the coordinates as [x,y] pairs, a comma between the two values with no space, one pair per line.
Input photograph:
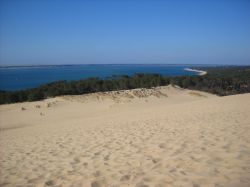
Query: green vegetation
[219,80]
[225,80]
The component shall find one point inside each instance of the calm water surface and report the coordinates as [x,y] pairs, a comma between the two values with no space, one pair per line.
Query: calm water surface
[17,78]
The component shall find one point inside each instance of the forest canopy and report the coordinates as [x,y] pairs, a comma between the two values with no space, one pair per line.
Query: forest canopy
[224,80]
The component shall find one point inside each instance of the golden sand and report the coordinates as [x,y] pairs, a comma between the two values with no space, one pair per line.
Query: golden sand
[158,137]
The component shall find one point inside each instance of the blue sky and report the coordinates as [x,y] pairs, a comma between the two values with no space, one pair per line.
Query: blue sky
[124,31]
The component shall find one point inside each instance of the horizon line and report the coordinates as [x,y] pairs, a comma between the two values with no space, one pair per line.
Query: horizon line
[46,65]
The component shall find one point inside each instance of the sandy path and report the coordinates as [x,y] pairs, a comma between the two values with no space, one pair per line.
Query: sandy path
[200,141]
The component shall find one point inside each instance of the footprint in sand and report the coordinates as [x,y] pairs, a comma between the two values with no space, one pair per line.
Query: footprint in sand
[125,178]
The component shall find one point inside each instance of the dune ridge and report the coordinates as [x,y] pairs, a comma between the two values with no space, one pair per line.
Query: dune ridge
[164,136]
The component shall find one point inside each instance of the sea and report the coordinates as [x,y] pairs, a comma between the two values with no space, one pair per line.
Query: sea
[23,77]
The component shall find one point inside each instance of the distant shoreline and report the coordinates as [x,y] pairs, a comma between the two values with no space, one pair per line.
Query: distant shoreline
[201,72]
[55,65]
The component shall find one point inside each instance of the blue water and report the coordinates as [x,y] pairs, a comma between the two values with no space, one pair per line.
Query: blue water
[17,78]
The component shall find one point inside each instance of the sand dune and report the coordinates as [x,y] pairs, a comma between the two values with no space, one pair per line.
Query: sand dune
[159,137]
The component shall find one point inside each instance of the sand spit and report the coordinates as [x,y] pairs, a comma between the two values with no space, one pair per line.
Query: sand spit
[157,137]
[201,73]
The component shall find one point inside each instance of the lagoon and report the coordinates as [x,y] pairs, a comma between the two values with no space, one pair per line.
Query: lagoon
[23,77]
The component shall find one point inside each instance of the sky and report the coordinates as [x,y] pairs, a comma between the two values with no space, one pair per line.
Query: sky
[40,32]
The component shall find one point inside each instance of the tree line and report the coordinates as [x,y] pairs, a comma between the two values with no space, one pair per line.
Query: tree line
[219,80]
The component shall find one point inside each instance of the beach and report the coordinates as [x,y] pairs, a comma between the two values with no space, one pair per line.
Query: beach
[201,72]
[159,137]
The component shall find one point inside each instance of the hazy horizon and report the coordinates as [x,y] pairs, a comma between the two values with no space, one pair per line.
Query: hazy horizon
[168,64]
[124,32]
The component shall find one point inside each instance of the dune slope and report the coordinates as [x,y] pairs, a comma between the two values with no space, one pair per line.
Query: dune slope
[158,137]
